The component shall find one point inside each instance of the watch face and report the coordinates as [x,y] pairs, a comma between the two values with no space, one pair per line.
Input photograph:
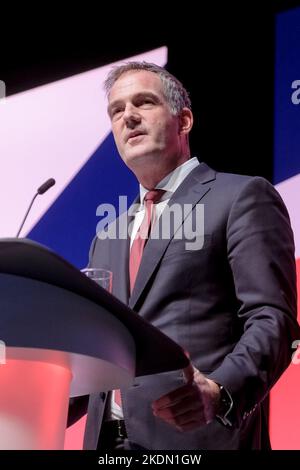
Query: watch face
[225,406]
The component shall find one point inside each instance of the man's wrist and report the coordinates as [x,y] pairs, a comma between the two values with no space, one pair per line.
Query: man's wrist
[224,406]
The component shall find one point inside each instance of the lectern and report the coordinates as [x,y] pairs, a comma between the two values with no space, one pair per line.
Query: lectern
[61,336]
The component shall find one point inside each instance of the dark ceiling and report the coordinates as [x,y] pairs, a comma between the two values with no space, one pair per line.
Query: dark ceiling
[224,56]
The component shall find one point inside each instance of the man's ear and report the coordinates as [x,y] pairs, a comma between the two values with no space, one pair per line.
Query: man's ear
[185,121]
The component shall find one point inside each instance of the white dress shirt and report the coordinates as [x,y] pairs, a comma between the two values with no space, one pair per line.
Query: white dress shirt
[169,184]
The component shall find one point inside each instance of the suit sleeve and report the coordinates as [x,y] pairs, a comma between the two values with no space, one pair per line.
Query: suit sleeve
[260,251]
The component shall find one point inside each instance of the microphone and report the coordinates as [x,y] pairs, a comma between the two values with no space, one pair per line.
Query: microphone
[41,190]
[47,185]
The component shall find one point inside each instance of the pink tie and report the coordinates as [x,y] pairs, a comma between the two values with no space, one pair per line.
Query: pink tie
[136,252]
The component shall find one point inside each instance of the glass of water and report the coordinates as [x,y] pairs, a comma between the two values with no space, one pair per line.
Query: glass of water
[103,277]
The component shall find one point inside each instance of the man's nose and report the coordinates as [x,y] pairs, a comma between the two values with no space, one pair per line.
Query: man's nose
[131,115]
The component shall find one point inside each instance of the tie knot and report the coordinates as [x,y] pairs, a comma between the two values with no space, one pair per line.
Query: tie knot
[154,195]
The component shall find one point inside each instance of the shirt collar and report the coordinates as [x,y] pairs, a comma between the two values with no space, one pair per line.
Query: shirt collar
[171,182]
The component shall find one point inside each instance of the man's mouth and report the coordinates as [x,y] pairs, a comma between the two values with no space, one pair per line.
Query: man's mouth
[135,134]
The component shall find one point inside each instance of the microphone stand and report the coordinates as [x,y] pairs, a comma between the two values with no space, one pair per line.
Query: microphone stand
[41,190]
[28,210]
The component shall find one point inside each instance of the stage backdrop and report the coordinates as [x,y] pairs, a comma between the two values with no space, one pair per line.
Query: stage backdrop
[285,403]
[61,130]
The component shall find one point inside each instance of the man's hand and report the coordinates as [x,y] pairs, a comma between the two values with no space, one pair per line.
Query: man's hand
[190,406]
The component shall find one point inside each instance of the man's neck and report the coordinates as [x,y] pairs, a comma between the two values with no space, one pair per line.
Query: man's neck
[150,177]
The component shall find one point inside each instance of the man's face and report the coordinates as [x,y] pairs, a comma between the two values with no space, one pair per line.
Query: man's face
[145,131]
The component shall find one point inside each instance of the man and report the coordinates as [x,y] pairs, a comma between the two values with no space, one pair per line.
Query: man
[228,300]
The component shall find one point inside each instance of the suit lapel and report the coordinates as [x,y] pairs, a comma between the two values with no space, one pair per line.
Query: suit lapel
[191,191]
[120,260]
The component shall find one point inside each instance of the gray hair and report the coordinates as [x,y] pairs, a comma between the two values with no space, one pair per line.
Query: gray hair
[176,95]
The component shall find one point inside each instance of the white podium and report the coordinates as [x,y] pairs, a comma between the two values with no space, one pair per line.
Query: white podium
[62,336]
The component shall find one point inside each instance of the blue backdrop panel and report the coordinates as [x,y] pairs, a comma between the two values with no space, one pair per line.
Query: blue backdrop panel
[287,99]
[69,225]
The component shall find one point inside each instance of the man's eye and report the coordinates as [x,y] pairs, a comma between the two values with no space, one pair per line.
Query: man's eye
[116,112]
[146,102]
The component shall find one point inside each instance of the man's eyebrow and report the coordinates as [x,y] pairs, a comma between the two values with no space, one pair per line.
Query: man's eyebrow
[147,94]
[113,104]
[137,96]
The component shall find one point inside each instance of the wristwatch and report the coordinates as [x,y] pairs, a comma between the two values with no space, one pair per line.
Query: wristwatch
[224,407]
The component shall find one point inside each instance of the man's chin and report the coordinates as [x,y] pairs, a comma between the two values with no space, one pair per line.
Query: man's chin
[136,159]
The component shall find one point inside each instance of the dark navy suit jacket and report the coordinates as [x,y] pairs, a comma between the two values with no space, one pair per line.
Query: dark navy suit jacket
[230,304]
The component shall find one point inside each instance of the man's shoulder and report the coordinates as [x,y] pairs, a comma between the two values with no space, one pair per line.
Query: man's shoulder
[239,179]
[234,178]
[233,182]
[232,187]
